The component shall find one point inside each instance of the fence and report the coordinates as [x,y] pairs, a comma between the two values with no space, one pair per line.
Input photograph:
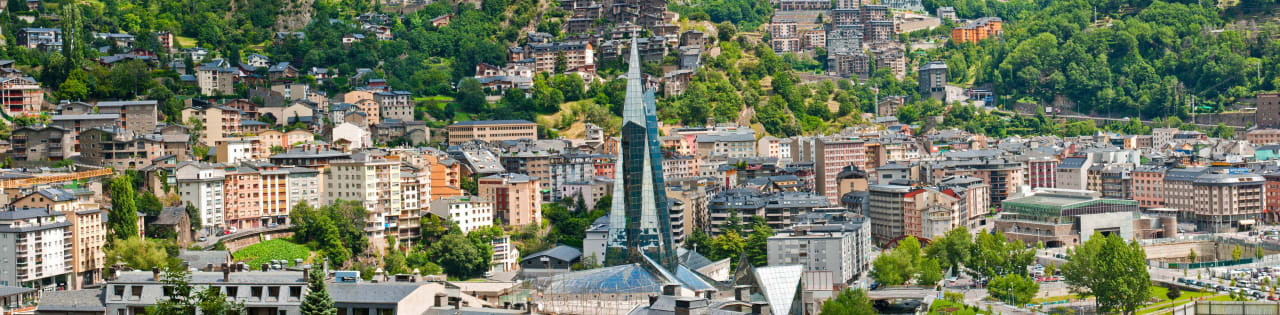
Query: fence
[1227,308]
[1207,264]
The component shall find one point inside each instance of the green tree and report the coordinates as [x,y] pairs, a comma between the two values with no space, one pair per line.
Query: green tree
[952,249]
[138,253]
[1050,269]
[1258,252]
[849,302]
[123,217]
[1236,252]
[471,96]
[930,272]
[1111,270]
[317,301]
[1192,257]
[1013,288]
[149,204]
[182,298]
[900,265]
[757,242]
[458,256]
[725,31]
[728,245]
[1174,292]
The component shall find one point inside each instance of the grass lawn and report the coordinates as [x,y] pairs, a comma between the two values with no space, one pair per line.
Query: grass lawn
[257,254]
[186,42]
[1159,292]
[437,98]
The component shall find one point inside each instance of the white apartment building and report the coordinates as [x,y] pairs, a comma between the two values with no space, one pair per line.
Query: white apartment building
[375,182]
[201,185]
[37,247]
[304,185]
[469,212]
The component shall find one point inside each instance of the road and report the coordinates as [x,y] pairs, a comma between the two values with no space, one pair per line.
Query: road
[215,239]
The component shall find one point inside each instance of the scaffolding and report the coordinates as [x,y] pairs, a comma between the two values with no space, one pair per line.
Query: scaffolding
[40,180]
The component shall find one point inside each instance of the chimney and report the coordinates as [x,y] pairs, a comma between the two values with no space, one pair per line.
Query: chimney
[226,274]
[265,267]
[709,294]
[155,273]
[742,293]
[670,289]
[682,307]
[306,274]
[759,307]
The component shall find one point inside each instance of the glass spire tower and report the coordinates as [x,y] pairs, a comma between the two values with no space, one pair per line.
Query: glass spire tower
[640,220]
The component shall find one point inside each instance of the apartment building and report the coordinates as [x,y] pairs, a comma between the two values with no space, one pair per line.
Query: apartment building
[783,36]
[1148,186]
[491,130]
[725,145]
[21,96]
[140,117]
[216,80]
[933,79]
[516,198]
[244,196]
[544,55]
[534,163]
[1227,200]
[974,201]
[394,105]
[1041,170]
[119,148]
[415,191]
[41,243]
[930,212]
[779,209]
[833,247]
[567,169]
[887,204]
[88,232]
[1263,136]
[41,143]
[977,30]
[373,181]
[219,122]
[831,156]
[469,212]
[202,185]
[1004,176]
[1272,197]
[42,39]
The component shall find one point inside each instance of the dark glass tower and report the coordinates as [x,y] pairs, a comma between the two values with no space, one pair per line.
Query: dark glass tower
[640,220]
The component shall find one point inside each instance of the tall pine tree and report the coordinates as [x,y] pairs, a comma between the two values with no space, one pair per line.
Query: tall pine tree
[123,218]
[317,301]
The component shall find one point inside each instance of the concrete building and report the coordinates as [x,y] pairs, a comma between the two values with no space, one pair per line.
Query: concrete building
[977,30]
[470,213]
[1263,136]
[544,55]
[42,143]
[887,204]
[88,231]
[929,212]
[394,105]
[1268,113]
[832,155]
[1227,200]
[243,208]
[784,36]
[1064,217]
[21,96]
[1148,186]
[201,185]
[42,39]
[216,80]
[517,198]
[1041,170]
[373,181]
[119,148]
[725,145]
[140,117]
[933,79]
[491,130]
[219,122]
[41,243]
[826,247]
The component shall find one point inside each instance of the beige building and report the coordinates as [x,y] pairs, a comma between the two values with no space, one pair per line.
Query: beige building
[492,130]
[216,81]
[219,122]
[517,199]
[1226,202]
[371,180]
[140,117]
[88,231]
[21,96]
[51,143]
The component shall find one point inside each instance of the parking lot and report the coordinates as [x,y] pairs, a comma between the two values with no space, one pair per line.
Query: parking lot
[1255,283]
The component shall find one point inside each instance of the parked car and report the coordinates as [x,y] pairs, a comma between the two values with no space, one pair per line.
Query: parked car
[204,238]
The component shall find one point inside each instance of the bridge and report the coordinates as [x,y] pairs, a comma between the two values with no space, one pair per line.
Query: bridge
[903,293]
[244,238]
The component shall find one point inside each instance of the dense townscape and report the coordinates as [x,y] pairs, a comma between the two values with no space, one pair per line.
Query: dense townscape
[324,157]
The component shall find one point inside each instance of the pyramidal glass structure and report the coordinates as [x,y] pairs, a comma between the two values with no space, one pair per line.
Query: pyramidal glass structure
[640,220]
